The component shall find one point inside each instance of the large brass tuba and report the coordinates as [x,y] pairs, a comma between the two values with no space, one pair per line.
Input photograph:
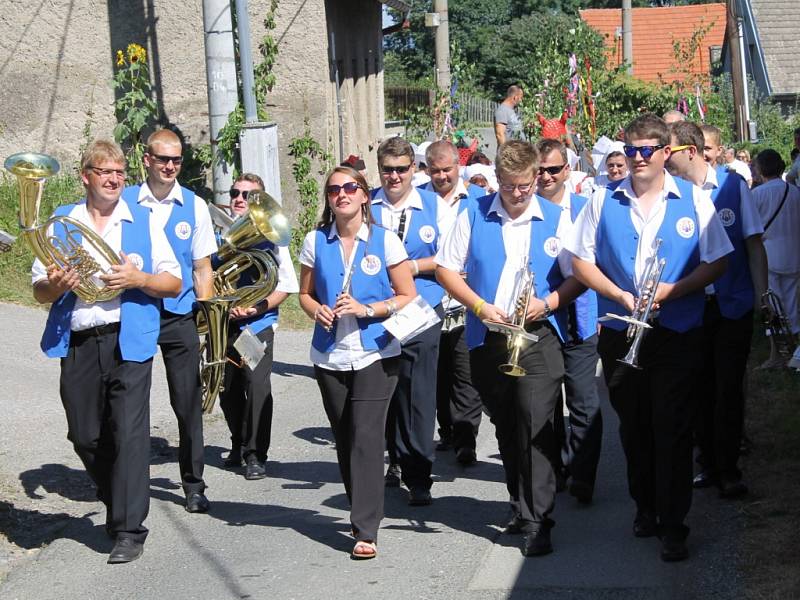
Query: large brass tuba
[264,221]
[65,251]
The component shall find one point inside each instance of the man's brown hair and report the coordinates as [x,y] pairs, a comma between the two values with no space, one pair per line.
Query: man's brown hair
[252,178]
[395,147]
[647,127]
[516,157]
[546,146]
[687,133]
[713,132]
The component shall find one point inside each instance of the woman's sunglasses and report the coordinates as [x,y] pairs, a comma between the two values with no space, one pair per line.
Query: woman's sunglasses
[645,151]
[350,188]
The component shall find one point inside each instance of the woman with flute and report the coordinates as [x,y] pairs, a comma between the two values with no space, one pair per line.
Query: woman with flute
[355,274]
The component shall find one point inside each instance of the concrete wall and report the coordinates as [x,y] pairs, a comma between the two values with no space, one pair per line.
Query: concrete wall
[57,60]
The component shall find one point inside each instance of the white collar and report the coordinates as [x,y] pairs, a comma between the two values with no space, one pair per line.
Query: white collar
[362,233]
[413,200]
[174,195]
[670,187]
[711,181]
[121,212]
[460,191]
[532,211]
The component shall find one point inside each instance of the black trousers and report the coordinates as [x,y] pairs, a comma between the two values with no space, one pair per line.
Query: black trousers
[412,411]
[522,412]
[581,441]
[656,408]
[180,348]
[458,402]
[107,404]
[357,403]
[246,400]
[720,393]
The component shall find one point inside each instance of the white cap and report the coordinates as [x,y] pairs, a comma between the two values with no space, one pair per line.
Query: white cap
[419,152]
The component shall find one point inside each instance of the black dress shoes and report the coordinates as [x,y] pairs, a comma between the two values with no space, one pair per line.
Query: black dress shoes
[466,456]
[704,479]
[582,491]
[514,526]
[392,478]
[125,550]
[673,549]
[234,459]
[732,489]
[254,468]
[537,543]
[196,502]
[645,524]
[418,496]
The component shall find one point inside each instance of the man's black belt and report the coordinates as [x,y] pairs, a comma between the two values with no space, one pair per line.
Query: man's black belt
[96,331]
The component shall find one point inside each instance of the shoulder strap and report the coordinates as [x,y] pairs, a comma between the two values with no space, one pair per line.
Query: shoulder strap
[780,206]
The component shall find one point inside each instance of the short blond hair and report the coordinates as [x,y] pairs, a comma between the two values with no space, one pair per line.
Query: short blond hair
[163,136]
[516,157]
[102,150]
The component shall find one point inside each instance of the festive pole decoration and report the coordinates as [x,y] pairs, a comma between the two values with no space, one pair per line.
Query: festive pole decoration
[701,108]
[588,100]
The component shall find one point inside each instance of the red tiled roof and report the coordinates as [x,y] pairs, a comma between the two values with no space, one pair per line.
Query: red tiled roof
[654,30]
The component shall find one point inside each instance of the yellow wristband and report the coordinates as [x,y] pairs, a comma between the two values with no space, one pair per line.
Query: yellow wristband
[478,306]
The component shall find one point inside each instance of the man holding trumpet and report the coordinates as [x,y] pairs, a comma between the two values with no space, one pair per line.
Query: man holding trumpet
[614,240]
[498,241]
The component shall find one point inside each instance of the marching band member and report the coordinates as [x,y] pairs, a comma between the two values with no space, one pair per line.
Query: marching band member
[246,399]
[614,240]
[495,240]
[107,348]
[349,269]
[580,443]
[187,224]
[458,404]
[418,218]
[728,317]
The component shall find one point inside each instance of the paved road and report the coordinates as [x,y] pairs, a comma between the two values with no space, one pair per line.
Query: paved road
[287,536]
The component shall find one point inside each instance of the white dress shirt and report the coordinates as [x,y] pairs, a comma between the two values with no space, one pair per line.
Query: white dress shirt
[392,213]
[782,239]
[713,241]
[348,353]
[454,250]
[204,243]
[86,315]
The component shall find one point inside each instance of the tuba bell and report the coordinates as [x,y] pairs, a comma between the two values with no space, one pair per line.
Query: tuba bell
[65,251]
[239,254]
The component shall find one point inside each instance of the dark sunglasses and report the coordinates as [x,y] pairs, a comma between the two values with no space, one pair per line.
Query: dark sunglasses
[645,151]
[176,160]
[398,170]
[235,193]
[350,188]
[554,170]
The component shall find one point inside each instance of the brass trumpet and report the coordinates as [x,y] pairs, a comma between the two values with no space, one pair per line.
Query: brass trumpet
[66,251]
[777,324]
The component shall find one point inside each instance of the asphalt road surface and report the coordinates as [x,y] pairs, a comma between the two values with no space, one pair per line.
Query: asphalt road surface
[287,536]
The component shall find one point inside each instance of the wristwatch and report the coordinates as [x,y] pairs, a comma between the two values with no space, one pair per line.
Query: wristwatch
[547,310]
[370,312]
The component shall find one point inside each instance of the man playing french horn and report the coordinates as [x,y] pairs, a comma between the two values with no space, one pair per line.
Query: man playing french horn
[614,241]
[499,240]
[107,347]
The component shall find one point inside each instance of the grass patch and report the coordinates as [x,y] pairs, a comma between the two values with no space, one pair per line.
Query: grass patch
[770,546]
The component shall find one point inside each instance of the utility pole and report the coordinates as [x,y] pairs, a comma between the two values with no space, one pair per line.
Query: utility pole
[439,21]
[627,36]
[741,101]
[221,83]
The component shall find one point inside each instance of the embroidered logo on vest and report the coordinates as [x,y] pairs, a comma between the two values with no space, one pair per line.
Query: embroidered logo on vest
[551,247]
[371,264]
[727,216]
[427,233]
[183,230]
[136,260]
[685,227]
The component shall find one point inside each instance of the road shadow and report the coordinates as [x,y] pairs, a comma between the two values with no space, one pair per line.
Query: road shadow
[290,369]
[53,478]
[321,436]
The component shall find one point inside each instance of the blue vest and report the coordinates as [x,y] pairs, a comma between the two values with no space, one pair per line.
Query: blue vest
[257,323]
[617,245]
[426,283]
[329,275]
[183,215]
[139,313]
[734,289]
[585,305]
[487,257]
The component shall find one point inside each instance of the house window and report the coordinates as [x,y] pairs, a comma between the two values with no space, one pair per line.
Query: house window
[715,54]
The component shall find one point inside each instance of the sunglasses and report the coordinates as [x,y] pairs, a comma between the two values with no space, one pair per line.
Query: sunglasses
[399,170]
[235,193]
[175,160]
[554,170]
[350,188]
[645,151]
[683,147]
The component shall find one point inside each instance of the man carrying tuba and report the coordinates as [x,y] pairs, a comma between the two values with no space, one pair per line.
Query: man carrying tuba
[187,224]
[489,241]
[106,348]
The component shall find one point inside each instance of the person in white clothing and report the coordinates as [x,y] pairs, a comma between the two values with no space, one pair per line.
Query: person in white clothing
[353,276]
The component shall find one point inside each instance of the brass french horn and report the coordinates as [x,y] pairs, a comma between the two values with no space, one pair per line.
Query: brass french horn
[32,170]
[264,221]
